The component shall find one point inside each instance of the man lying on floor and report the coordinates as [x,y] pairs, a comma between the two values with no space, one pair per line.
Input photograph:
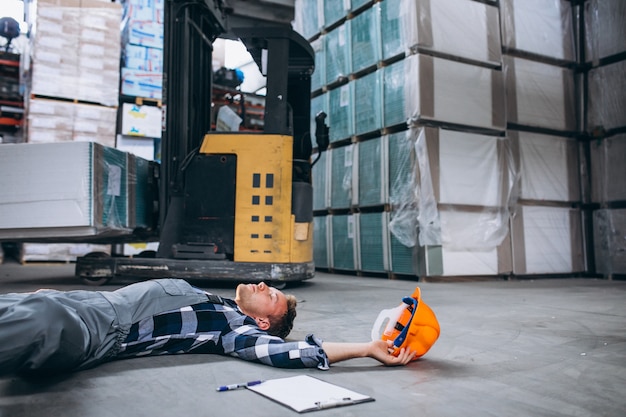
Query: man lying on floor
[58,331]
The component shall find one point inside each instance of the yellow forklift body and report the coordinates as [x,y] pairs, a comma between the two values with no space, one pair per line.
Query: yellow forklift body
[265,228]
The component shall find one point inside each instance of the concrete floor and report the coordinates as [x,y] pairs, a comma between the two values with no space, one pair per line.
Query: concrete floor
[553,347]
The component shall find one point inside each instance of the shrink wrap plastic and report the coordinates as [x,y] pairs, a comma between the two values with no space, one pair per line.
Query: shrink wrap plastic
[484,182]
[72,192]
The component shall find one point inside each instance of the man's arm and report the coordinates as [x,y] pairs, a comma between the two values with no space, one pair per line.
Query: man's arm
[377,349]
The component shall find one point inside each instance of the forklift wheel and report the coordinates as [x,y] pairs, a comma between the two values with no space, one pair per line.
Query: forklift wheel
[279,285]
[96,280]
[146,254]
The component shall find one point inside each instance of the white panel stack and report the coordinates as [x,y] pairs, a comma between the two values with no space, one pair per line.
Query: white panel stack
[464,252]
[453,92]
[64,192]
[459,28]
[609,241]
[608,170]
[466,168]
[539,27]
[548,167]
[539,95]
[547,240]
[605,30]
[607,97]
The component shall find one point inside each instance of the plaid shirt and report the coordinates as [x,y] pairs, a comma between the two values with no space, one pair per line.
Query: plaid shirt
[220,329]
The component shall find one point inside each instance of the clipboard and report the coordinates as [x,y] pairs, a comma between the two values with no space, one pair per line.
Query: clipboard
[305,393]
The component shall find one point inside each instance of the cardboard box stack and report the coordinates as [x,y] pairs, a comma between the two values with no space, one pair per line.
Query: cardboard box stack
[75,55]
[142,40]
[72,96]
[605,54]
[141,78]
[461,157]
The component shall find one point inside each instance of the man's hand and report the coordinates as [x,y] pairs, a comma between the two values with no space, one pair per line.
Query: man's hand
[378,349]
[382,351]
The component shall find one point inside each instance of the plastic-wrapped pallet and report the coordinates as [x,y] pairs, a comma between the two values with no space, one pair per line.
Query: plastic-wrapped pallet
[372,242]
[608,170]
[320,181]
[343,253]
[456,171]
[334,11]
[318,78]
[392,41]
[68,191]
[548,167]
[340,115]
[393,94]
[609,238]
[539,95]
[461,28]
[142,195]
[607,97]
[539,27]
[365,48]
[320,241]
[453,92]
[604,28]
[402,190]
[341,177]
[466,256]
[309,17]
[367,103]
[547,240]
[90,29]
[403,260]
[355,5]
[338,58]
[467,168]
[61,121]
[372,176]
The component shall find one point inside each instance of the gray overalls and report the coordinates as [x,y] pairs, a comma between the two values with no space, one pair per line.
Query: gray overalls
[54,331]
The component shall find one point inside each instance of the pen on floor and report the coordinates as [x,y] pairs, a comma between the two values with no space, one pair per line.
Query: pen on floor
[237,386]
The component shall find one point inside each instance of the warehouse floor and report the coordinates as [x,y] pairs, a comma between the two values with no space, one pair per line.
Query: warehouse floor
[554,347]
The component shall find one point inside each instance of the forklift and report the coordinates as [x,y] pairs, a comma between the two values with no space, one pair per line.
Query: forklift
[231,205]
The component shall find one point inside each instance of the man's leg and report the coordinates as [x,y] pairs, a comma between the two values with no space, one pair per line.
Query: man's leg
[39,333]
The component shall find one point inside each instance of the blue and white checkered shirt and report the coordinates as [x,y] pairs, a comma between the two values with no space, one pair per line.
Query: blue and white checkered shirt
[220,329]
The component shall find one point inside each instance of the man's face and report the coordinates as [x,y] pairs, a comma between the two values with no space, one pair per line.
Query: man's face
[260,301]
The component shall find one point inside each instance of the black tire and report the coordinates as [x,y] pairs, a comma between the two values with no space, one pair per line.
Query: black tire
[99,280]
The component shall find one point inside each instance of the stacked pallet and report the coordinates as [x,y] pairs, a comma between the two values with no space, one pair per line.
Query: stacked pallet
[142,39]
[384,78]
[73,192]
[477,102]
[546,230]
[73,89]
[605,56]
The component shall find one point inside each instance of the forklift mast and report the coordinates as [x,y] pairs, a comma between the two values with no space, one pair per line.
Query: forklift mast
[232,205]
[190,28]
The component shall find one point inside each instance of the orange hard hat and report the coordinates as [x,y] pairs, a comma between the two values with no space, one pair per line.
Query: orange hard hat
[412,325]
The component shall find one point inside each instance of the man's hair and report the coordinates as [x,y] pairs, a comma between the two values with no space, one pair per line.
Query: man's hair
[281,325]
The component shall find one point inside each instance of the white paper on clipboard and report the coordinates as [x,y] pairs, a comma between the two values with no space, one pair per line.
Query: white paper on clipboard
[304,393]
